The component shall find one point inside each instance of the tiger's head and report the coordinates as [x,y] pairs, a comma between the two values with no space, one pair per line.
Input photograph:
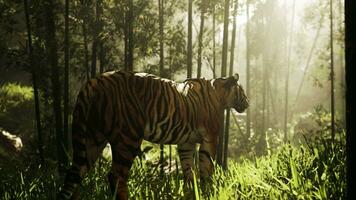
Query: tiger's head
[233,94]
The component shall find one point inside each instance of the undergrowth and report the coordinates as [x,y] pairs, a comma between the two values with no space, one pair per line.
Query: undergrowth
[315,170]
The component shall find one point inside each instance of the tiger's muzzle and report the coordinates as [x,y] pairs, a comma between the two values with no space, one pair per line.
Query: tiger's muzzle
[242,105]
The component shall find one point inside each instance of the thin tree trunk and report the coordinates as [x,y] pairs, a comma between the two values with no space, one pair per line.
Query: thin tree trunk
[248,91]
[272,100]
[66,79]
[226,139]
[261,145]
[287,75]
[190,46]
[233,40]
[126,37]
[102,61]
[256,121]
[161,35]
[161,65]
[307,63]
[190,41]
[34,83]
[342,63]
[95,40]
[237,124]
[201,32]
[262,140]
[228,111]
[93,58]
[225,38]
[102,57]
[211,67]
[220,152]
[214,43]
[130,37]
[85,40]
[332,73]
[266,57]
[52,58]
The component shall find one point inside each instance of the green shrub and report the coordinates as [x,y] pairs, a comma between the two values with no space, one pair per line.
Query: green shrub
[16,109]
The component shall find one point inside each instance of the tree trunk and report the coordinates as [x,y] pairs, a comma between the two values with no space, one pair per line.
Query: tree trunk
[93,58]
[96,42]
[214,43]
[220,152]
[161,66]
[126,38]
[161,37]
[287,75]
[256,100]
[232,58]
[271,95]
[190,46]
[261,145]
[266,68]
[262,141]
[332,73]
[307,63]
[66,79]
[102,57]
[85,39]
[248,91]
[102,61]
[52,58]
[130,37]
[201,32]
[225,38]
[34,83]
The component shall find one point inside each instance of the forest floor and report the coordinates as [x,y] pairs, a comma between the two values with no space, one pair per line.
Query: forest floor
[315,170]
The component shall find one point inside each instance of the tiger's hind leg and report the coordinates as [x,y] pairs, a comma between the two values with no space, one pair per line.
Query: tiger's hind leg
[123,155]
[85,153]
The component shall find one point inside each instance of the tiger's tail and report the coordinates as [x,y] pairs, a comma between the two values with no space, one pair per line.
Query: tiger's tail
[79,126]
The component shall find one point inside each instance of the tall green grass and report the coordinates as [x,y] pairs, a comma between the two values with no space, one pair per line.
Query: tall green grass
[315,170]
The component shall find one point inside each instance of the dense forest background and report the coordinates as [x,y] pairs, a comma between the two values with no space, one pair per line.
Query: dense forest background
[290,56]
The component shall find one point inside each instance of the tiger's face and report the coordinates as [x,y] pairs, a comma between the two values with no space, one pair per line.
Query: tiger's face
[235,94]
[238,99]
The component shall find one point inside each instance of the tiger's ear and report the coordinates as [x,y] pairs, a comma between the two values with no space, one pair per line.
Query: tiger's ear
[231,81]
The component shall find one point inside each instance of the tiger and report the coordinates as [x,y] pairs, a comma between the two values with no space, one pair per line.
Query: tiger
[124,108]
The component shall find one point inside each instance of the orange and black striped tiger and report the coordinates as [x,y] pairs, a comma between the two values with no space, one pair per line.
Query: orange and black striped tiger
[124,108]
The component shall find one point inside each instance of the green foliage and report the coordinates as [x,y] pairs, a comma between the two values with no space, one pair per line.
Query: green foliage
[27,181]
[314,125]
[16,108]
[307,172]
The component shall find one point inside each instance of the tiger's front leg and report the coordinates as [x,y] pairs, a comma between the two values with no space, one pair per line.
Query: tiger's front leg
[123,155]
[186,156]
[207,152]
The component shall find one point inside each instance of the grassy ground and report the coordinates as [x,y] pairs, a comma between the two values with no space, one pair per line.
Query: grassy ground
[312,171]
